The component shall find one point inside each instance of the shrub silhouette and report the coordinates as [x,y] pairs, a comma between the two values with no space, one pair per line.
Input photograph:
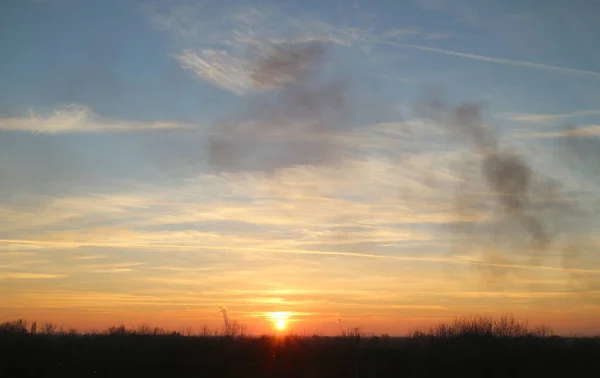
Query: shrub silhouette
[482,326]
[466,347]
[15,326]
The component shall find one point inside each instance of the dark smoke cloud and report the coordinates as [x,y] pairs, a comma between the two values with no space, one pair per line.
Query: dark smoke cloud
[524,199]
[286,63]
[300,123]
[507,174]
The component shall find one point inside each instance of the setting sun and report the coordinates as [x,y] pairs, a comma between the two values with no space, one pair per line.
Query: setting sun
[279,319]
[280,324]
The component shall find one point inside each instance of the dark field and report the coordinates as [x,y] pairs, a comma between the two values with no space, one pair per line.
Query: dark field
[440,352]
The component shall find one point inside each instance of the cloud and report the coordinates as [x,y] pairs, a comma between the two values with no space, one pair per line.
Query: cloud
[121,267]
[217,68]
[572,132]
[89,257]
[29,276]
[93,300]
[543,118]
[307,197]
[222,69]
[306,211]
[79,119]
[195,240]
[220,45]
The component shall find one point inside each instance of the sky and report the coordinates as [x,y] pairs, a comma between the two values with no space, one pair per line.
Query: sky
[382,165]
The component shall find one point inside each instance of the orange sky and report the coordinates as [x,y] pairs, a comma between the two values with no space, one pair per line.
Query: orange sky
[382,296]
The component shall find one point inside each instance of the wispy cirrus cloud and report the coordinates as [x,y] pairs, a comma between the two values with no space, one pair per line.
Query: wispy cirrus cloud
[300,196]
[221,44]
[234,71]
[579,131]
[302,211]
[218,68]
[76,118]
[544,118]
[29,276]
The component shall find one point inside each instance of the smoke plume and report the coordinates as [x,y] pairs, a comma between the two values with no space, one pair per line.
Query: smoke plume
[299,123]
[508,175]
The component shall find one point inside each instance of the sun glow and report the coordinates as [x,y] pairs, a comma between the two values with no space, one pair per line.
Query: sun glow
[279,319]
[280,324]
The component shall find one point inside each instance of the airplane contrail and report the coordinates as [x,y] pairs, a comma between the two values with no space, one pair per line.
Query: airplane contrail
[484,58]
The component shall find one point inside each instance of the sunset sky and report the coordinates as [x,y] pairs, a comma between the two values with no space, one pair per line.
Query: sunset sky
[376,164]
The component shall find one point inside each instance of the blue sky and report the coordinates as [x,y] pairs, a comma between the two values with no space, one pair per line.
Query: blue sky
[145,162]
